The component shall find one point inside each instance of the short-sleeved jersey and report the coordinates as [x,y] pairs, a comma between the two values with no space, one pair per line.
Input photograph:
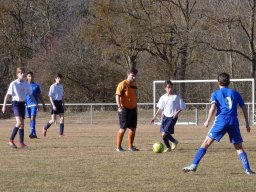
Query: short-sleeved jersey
[35,88]
[18,90]
[128,94]
[56,91]
[170,104]
[226,101]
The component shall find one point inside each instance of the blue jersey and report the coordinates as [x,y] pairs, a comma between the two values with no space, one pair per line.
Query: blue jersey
[226,101]
[35,92]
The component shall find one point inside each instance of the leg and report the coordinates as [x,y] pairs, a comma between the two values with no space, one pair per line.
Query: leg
[61,124]
[199,155]
[48,125]
[131,136]
[165,140]
[243,158]
[15,130]
[21,133]
[119,139]
[32,127]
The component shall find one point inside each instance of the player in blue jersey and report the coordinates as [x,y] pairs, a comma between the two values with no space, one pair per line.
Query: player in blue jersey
[224,101]
[31,108]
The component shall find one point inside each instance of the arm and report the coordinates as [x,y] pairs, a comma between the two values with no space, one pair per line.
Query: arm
[177,114]
[118,102]
[52,103]
[42,101]
[154,117]
[210,115]
[244,109]
[5,102]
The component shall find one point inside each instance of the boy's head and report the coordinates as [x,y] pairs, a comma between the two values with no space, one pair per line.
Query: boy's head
[20,72]
[131,74]
[30,76]
[223,79]
[168,85]
[58,77]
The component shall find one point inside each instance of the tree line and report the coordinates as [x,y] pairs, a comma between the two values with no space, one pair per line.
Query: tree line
[93,43]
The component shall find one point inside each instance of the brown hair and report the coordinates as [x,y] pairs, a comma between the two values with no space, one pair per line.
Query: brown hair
[223,79]
[20,69]
[133,71]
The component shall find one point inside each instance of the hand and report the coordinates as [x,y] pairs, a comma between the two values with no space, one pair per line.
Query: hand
[3,109]
[248,128]
[206,123]
[119,109]
[153,119]
[54,108]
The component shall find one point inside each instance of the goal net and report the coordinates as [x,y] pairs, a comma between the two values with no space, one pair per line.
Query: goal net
[196,94]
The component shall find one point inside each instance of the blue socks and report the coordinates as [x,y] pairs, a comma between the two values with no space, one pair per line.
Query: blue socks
[199,155]
[243,158]
[33,127]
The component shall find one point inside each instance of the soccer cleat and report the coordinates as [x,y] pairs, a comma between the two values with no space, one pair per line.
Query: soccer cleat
[119,149]
[132,149]
[32,136]
[44,132]
[249,172]
[61,136]
[11,144]
[22,145]
[174,145]
[190,168]
[167,150]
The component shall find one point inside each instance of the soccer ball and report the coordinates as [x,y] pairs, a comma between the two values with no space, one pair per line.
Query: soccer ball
[158,147]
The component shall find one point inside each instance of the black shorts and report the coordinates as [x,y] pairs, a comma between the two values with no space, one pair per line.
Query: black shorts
[18,108]
[59,107]
[128,118]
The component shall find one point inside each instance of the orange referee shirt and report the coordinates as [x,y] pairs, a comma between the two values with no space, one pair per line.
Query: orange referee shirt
[127,92]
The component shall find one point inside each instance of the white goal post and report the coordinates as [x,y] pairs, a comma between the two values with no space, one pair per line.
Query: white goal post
[251,80]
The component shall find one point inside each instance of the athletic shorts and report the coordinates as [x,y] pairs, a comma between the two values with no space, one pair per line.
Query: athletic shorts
[59,107]
[31,111]
[18,108]
[168,124]
[128,118]
[223,125]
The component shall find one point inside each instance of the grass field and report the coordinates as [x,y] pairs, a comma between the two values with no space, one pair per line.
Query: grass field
[86,160]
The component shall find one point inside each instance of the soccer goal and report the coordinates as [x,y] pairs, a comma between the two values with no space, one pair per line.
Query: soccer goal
[196,100]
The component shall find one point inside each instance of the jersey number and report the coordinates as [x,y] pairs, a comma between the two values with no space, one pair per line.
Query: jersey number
[228,102]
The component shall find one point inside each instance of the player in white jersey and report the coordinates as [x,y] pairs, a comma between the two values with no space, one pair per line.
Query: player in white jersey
[56,94]
[171,105]
[18,90]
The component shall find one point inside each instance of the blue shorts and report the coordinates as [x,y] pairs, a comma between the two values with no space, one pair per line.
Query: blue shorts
[18,108]
[31,111]
[168,124]
[223,125]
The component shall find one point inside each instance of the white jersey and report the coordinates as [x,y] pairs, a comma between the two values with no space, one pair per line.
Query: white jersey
[56,91]
[170,104]
[18,90]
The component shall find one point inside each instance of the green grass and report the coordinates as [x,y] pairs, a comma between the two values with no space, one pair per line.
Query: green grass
[86,160]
